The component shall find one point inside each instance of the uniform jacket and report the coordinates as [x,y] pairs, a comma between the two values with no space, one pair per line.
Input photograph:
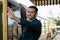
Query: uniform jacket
[31,30]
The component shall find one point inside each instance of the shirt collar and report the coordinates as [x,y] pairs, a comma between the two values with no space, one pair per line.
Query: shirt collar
[31,19]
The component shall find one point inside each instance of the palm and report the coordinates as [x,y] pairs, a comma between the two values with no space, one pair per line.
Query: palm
[10,13]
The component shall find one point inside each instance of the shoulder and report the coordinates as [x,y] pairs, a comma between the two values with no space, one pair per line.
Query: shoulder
[36,20]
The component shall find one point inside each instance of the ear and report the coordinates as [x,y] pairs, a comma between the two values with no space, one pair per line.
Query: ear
[35,14]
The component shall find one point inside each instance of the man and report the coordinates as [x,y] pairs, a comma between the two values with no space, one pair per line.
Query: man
[31,26]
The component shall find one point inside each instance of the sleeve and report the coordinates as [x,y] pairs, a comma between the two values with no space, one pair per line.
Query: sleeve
[31,25]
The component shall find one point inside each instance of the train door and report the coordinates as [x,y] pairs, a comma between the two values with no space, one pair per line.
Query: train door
[13,29]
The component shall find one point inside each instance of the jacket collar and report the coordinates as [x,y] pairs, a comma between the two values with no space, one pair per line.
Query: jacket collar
[31,19]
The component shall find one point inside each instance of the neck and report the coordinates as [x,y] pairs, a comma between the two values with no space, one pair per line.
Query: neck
[31,19]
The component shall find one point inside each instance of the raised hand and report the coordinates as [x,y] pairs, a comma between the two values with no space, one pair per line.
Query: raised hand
[10,13]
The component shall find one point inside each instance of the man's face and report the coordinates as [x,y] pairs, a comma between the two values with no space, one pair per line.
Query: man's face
[31,13]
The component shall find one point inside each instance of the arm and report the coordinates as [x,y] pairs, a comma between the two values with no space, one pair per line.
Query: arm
[31,25]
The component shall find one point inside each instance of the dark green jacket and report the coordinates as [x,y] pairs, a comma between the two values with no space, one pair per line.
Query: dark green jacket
[31,29]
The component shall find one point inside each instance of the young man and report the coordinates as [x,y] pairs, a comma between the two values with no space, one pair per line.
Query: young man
[31,27]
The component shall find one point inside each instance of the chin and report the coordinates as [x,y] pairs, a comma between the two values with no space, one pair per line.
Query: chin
[29,18]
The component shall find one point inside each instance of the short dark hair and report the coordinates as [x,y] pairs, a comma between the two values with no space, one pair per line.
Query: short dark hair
[34,7]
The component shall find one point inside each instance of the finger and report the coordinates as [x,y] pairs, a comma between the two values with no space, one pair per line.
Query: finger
[9,15]
[9,9]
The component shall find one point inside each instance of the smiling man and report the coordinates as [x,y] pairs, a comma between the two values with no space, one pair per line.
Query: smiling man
[31,27]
